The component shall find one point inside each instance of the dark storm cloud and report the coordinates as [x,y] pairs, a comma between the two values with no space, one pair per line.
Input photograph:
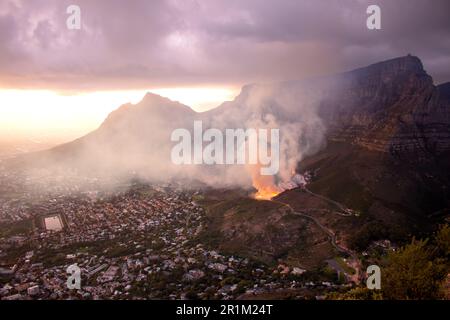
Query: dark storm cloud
[138,44]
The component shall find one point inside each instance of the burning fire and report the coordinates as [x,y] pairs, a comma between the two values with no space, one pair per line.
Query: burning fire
[264,184]
[265,194]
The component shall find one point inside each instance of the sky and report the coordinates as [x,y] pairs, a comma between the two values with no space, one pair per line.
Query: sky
[197,52]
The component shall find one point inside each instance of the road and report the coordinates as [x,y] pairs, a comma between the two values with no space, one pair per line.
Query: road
[346,212]
[331,236]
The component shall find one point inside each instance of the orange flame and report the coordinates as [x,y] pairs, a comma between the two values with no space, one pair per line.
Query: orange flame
[264,184]
[265,194]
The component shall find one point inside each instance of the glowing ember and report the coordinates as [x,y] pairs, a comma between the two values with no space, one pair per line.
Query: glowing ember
[265,195]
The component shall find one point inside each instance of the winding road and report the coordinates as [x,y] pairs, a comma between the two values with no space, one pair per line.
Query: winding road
[346,212]
[331,235]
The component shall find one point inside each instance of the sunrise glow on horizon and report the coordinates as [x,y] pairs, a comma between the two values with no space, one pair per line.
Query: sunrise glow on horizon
[46,112]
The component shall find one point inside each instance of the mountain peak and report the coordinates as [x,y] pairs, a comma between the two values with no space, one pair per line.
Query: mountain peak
[151,97]
[444,89]
[408,63]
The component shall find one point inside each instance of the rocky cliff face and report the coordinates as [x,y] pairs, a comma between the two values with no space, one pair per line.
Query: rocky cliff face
[389,154]
[390,106]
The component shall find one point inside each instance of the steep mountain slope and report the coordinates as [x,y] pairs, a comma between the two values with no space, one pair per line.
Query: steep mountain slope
[391,106]
[387,154]
[133,138]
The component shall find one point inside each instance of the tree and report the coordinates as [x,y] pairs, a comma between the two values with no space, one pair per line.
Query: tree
[413,272]
[359,293]
[442,240]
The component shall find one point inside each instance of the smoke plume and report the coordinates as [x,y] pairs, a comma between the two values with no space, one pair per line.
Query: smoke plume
[134,141]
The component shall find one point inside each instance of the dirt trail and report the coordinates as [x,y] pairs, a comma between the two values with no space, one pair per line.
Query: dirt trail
[332,236]
[345,211]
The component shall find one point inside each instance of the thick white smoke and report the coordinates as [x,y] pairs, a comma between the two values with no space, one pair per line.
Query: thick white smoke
[135,140]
